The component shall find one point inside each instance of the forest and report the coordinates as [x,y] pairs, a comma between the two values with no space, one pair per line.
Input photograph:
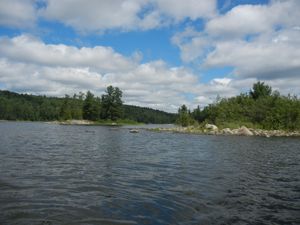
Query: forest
[108,107]
[260,108]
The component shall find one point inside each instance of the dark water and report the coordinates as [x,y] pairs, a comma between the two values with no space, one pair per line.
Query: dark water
[51,174]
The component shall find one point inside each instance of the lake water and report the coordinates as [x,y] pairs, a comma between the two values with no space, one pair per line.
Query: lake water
[52,174]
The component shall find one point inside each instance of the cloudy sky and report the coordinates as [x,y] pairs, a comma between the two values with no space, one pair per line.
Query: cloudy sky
[161,53]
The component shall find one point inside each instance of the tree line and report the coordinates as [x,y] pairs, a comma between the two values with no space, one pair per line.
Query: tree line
[261,107]
[109,106]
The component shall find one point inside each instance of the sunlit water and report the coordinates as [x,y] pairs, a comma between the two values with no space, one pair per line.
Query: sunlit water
[52,174]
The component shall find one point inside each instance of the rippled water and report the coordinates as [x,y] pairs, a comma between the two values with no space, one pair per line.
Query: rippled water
[51,174]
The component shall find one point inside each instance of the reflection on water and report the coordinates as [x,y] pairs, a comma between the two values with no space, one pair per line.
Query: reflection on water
[51,174]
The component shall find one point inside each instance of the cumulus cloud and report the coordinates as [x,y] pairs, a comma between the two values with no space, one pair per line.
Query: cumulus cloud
[29,49]
[125,15]
[258,41]
[193,9]
[275,56]
[192,44]
[254,19]
[94,15]
[17,13]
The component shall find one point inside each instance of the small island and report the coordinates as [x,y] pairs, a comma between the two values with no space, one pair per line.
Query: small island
[260,112]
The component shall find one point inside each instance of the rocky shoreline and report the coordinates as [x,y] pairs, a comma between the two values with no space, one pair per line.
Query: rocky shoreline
[72,122]
[211,129]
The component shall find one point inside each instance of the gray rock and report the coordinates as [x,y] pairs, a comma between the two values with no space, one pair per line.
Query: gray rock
[235,131]
[211,127]
[244,131]
[227,131]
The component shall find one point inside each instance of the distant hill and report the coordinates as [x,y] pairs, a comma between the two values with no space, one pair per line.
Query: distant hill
[148,115]
[14,106]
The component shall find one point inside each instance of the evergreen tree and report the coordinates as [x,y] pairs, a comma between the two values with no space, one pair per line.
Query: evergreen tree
[112,104]
[260,89]
[65,111]
[196,114]
[91,107]
[184,116]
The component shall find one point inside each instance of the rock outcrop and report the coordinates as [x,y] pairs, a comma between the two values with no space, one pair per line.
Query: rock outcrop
[244,131]
[211,127]
[227,131]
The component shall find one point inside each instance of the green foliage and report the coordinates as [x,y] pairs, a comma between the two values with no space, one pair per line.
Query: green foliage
[259,109]
[147,115]
[91,107]
[65,110]
[260,89]
[15,106]
[112,104]
[196,114]
[184,117]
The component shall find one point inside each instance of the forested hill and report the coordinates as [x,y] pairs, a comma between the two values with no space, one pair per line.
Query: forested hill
[14,106]
[142,114]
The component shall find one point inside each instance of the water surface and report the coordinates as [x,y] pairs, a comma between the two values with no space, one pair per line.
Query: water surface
[53,174]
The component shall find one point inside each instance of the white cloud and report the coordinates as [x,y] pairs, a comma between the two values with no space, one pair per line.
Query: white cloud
[268,57]
[193,9]
[29,49]
[258,41]
[17,13]
[254,19]
[241,20]
[94,15]
[191,43]
[124,14]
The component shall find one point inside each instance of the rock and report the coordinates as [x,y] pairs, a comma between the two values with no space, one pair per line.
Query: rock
[211,127]
[76,122]
[244,131]
[134,131]
[212,132]
[226,131]
[235,131]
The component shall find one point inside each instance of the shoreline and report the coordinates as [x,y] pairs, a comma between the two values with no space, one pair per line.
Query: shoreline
[208,129]
[94,123]
[211,129]
[81,122]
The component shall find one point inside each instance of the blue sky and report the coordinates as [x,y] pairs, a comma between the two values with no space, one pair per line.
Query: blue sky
[161,53]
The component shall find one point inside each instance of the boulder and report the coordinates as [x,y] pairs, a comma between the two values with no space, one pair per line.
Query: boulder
[134,131]
[211,127]
[244,131]
[227,131]
[235,131]
[211,132]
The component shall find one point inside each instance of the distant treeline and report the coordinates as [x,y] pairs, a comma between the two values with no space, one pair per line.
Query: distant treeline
[109,106]
[260,108]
